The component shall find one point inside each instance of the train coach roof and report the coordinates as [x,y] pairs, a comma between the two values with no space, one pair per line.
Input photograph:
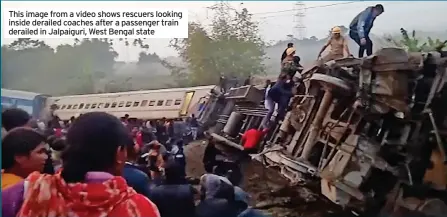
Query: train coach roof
[20,94]
[141,92]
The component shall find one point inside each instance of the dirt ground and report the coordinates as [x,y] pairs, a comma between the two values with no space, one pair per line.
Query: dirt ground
[269,191]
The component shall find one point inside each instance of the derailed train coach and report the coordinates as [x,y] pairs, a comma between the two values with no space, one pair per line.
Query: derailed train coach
[372,131]
[33,103]
[147,104]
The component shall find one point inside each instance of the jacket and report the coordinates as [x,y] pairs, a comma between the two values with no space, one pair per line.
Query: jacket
[136,179]
[279,90]
[363,23]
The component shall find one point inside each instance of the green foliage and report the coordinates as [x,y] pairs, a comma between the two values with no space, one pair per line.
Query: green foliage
[33,65]
[68,69]
[412,44]
[231,47]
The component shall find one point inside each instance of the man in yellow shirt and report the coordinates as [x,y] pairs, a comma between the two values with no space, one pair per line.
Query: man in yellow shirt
[23,152]
[339,46]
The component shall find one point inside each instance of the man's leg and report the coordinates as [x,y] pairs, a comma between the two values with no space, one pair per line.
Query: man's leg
[369,46]
[355,37]
[271,109]
[282,108]
[194,133]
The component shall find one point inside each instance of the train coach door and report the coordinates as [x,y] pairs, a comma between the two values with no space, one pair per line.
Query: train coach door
[201,106]
[186,103]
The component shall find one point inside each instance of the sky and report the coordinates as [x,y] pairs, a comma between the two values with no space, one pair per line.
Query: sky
[276,19]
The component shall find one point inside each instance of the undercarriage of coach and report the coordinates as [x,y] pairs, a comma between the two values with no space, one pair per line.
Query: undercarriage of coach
[372,131]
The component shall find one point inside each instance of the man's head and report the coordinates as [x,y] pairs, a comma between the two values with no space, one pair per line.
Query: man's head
[14,117]
[336,32]
[267,82]
[378,10]
[290,51]
[24,149]
[289,45]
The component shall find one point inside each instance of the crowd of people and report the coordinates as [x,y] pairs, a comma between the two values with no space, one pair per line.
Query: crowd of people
[99,166]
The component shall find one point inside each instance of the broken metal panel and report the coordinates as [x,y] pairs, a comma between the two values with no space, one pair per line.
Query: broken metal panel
[247,93]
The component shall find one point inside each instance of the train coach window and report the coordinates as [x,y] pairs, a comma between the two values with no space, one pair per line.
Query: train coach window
[63,106]
[100,105]
[121,104]
[87,106]
[106,105]
[143,103]
[93,105]
[75,106]
[128,103]
[113,105]
[168,102]
[135,104]
[152,103]
[81,105]
[178,102]
[69,107]
[160,103]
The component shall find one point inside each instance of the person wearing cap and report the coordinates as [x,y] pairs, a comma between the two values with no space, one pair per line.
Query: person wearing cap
[361,26]
[338,44]
[288,65]
[284,54]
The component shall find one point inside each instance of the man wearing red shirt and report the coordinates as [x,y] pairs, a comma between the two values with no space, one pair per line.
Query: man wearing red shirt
[252,137]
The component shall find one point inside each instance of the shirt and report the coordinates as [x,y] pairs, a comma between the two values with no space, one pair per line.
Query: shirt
[9,179]
[252,137]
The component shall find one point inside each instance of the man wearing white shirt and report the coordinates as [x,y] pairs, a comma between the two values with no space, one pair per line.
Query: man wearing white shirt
[269,104]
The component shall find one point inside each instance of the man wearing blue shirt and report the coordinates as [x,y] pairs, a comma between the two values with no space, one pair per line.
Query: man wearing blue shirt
[361,26]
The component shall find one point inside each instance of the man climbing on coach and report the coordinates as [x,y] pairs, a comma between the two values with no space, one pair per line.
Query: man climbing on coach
[361,26]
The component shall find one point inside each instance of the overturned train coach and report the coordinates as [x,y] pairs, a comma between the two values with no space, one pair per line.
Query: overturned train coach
[372,131]
[147,104]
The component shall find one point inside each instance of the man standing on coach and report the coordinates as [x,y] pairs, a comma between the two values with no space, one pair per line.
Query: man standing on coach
[361,26]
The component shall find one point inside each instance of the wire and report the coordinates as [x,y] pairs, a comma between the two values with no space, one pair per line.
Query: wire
[306,8]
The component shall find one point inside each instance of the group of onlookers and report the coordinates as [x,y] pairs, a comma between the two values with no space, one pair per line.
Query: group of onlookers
[97,169]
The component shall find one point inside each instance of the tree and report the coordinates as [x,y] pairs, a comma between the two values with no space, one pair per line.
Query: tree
[313,38]
[69,69]
[232,47]
[412,44]
[145,57]
[23,62]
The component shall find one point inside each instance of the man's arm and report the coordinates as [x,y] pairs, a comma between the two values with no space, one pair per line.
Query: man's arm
[324,48]
[346,48]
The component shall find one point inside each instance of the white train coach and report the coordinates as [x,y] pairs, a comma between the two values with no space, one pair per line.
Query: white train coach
[148,104]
